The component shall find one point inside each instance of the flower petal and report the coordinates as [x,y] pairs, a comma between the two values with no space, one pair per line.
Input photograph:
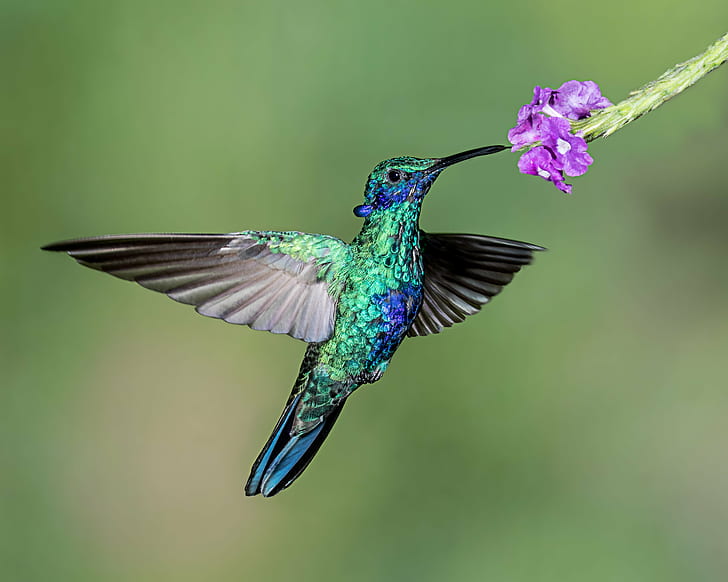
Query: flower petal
[575,99]
[540,161]
[528,129]
[569,149]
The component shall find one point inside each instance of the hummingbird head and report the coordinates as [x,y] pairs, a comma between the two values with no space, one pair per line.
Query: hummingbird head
[405,179]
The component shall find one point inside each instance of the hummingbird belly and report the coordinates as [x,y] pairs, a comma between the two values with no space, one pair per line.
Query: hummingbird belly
[374,312]
[369,328]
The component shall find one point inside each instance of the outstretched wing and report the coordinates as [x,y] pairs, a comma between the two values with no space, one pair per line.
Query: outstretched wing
[283,282]
[461,273]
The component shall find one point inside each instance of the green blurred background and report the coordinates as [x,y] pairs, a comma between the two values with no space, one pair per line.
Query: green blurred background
[575,430]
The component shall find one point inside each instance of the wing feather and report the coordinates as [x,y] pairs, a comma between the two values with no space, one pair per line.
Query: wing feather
[462,272]
[283,282]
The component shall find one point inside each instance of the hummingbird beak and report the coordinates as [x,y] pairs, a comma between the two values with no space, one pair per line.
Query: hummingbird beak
[443,163]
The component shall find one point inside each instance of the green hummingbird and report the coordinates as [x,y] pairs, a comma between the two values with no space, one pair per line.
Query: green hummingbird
[353,304]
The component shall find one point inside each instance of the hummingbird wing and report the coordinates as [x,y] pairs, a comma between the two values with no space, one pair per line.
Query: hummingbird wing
[461,274]
[283,282]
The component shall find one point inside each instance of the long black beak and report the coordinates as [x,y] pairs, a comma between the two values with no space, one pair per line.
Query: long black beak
[455,158]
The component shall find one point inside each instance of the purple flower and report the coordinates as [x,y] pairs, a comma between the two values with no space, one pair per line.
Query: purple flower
[575,99]
[528,129]
[545,120]
[569,149]
[542,96]
[540,161]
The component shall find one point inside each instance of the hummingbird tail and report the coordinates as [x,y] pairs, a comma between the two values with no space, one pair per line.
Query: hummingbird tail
[285,456]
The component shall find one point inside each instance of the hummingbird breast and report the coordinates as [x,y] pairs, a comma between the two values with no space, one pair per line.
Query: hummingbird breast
[372,320]
[378,304]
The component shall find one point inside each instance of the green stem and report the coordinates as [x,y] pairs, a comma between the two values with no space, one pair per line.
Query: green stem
[606,121]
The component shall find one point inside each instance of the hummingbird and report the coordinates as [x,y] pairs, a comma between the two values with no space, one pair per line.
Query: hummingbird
[353,304]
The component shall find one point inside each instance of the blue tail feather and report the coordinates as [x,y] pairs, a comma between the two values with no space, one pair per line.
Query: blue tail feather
[274,444]
[284,457]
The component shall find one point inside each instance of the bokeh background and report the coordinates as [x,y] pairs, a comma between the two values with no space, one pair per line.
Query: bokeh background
[575,430]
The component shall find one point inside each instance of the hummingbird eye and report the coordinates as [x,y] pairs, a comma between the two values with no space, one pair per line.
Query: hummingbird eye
[394,176]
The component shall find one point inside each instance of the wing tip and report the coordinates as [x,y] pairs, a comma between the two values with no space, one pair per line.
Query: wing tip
[519,244]
[56,246]
[133,239]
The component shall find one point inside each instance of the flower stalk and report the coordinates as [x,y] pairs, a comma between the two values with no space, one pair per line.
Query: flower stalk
[606,121]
